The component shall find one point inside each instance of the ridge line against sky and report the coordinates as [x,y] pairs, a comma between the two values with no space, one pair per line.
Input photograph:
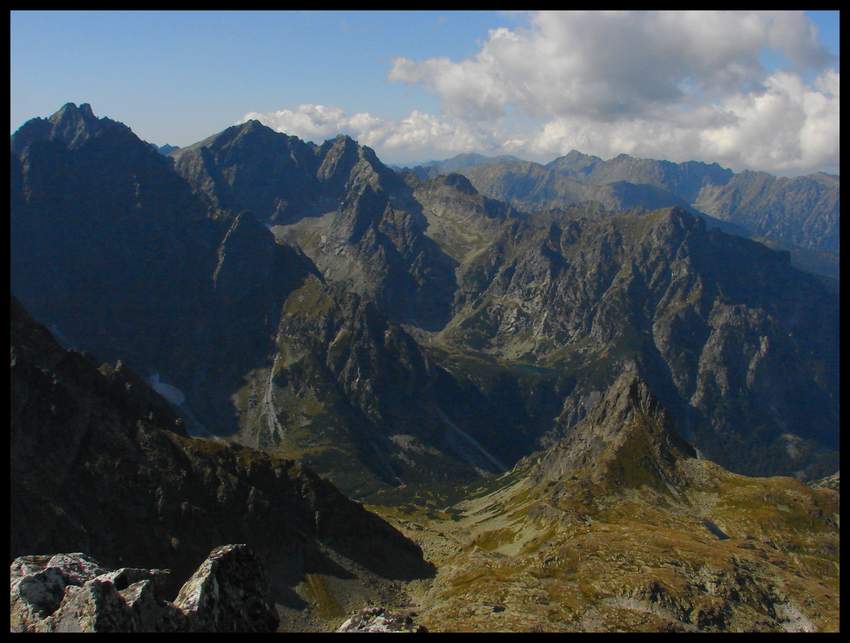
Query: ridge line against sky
[748,90]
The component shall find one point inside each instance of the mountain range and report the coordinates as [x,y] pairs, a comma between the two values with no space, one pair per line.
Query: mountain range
[796,212]
[422,341]
[218,267]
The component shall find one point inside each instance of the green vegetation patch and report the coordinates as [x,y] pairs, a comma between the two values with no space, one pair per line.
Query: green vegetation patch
[320,596]
[309,300]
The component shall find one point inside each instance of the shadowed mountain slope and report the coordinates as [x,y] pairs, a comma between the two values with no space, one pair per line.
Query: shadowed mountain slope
[100,464]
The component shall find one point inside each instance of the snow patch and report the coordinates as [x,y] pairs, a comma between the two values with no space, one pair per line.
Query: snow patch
[168,391]
[272,423]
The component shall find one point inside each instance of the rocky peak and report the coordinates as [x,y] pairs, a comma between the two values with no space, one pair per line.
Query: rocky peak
[671,225]
[626,440]
[345,164]
[338,158]
[167,149]
[575,155]
[252,124]
[71,125]
[575,161]
[70,112]
[457,181]
[253,130]
[244,134]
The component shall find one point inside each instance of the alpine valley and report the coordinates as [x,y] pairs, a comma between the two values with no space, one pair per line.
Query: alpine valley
[478,394]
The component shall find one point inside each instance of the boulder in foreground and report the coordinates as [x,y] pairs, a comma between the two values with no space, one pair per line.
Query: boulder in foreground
[74,593]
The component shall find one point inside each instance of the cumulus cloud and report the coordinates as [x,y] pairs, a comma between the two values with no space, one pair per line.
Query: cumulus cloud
[416,137]
[786,128]
[613,64]
[675,85]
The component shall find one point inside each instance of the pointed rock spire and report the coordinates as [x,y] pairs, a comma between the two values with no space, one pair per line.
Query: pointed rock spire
[71,125]
[627,440]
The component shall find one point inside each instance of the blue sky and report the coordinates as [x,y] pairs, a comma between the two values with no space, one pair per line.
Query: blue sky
[179,76]
[419,85]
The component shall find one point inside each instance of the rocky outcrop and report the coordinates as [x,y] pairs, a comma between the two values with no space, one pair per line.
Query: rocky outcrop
[627,440]
[379,619]
[829,482]
[228,593]
[74,593]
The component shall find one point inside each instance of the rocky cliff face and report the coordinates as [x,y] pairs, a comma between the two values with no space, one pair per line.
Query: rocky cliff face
[358,221]
[704,313]
[802,211]
[99,469]
[152,276]
[348,387]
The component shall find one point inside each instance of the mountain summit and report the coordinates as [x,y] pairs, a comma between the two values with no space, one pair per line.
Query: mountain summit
[626,440]
[71,125]
[620,527]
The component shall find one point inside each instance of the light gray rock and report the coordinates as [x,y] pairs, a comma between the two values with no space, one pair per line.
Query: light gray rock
[379,619]
[75,593]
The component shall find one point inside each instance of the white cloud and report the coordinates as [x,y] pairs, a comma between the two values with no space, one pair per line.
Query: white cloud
[675,85]
[613,64]
[785,128]
[678,85]
[416,137]
[307,121]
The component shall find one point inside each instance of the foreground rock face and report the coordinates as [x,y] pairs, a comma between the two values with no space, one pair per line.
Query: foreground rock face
[74,593]
[379,619]
[829,482]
